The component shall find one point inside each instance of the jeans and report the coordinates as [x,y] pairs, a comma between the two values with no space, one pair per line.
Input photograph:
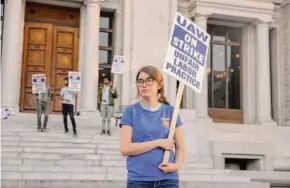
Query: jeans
[153,184]
[42,108]
[68,109]
[107,113]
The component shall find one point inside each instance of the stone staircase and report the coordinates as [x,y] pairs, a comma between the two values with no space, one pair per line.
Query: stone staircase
[53,159]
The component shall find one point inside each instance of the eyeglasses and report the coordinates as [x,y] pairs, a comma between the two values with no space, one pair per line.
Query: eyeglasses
[149,81]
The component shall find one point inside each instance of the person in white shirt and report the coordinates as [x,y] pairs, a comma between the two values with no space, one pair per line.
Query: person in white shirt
[68,100]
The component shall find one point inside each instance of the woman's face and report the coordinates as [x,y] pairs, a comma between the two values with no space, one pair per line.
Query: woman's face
[65,82]
[147,86]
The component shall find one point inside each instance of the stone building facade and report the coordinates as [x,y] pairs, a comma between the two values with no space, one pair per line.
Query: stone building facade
[240,121]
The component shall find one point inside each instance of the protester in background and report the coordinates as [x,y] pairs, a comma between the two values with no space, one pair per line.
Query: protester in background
[68,100]
[144,135]
[106,96]
[43,107]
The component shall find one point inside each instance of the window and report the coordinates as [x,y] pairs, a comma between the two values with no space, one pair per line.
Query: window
[252,164]
[224,88]
[106,44]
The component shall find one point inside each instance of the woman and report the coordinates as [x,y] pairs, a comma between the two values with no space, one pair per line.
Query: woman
[144,132]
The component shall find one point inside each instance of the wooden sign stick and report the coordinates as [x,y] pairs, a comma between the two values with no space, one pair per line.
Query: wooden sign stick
[174,119]
[115,80]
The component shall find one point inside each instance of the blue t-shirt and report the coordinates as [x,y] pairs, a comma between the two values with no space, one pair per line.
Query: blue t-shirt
[147,126]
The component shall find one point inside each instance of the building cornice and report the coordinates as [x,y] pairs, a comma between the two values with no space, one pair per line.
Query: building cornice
[93,2]
[244,9]
[183,8]
[285,3]
[59,3]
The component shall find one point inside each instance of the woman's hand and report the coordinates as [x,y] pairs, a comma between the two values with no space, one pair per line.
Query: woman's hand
[169,167]
[167,144]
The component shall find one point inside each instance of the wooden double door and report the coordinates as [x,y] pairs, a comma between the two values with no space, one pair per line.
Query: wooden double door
[50,50]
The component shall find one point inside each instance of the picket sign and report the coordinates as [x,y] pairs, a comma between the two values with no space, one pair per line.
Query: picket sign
[3,114]
[117,67]
[74,81]
[38,83]
[7,112]
[185,60]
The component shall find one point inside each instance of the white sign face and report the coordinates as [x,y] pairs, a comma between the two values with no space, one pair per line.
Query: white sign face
[38,83]
[74,81]
[3,113]
[9,111]
[118,65]
[186,54]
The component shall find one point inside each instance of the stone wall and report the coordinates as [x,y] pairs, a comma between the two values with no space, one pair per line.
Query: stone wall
[147,25]
[286,63]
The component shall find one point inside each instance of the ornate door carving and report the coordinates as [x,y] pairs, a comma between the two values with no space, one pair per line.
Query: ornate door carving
[50,50]
[36,59]
[65,59]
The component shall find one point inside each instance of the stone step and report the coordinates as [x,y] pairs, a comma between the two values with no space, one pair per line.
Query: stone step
[122,184]
[111,145]
[47,144]
[57,160]
[112,160]
[58,129]
[60,150]
[50,156]
[51,130]
[65,162]
[34,133]
[58,122]
[50,150]
[93,168]
[109,176]
[64,139]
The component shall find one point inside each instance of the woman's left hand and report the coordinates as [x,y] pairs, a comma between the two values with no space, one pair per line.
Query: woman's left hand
[169,167]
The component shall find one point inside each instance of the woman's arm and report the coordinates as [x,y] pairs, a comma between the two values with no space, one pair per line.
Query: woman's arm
[128,148]
[180,149]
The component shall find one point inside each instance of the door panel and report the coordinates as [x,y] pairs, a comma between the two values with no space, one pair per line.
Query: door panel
[36,59]
[65,58]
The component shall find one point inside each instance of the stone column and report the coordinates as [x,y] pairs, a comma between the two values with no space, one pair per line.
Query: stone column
[81,50]
[11,54]
[263,73]
[127,78]
[201,100]
[189,98]
[90,67]
[118,49]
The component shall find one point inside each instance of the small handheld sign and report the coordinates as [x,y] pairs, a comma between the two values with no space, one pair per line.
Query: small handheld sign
[3,113]
[74,81]
[117,67]
[9,111]
[38,83]
[185,60]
